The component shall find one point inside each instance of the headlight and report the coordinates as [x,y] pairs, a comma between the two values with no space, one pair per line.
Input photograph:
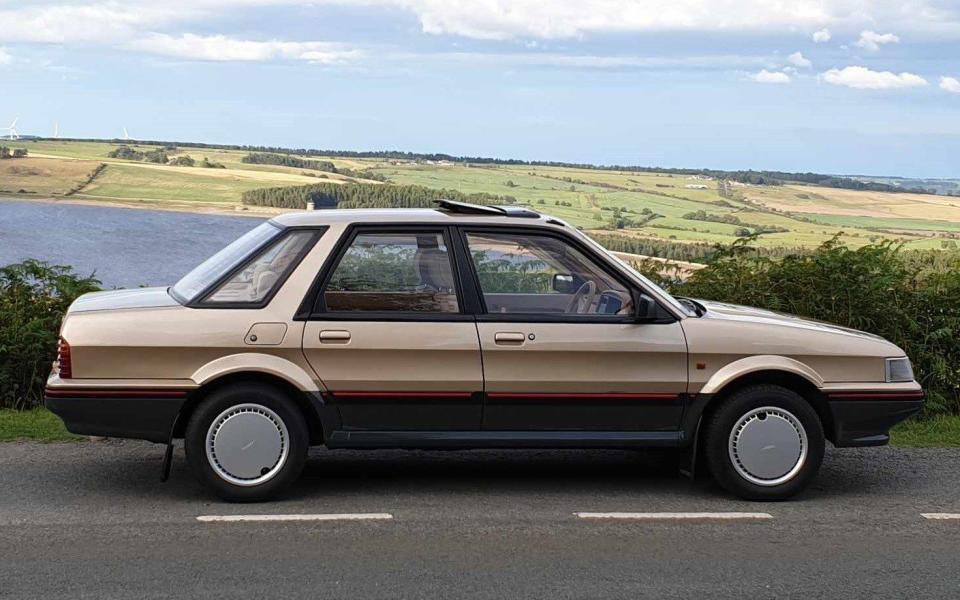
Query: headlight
[899,369]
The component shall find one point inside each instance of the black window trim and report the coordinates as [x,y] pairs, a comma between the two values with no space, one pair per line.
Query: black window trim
[200,300]
[313,307]
[601,261]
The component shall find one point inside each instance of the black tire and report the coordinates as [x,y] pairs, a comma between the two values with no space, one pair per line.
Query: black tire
[719,428]
[222,400]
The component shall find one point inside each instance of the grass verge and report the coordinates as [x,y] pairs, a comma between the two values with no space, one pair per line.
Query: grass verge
[38,425]
[938,432]
[41,425]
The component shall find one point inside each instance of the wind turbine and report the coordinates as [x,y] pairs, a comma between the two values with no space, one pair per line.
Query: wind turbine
[126,136]
[56,130]
[12,130]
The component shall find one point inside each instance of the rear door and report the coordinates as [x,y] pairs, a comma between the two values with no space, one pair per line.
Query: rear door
[389,336]
[561,348]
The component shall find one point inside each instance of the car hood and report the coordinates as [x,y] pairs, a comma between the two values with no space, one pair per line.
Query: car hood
[735,312]
[154,297]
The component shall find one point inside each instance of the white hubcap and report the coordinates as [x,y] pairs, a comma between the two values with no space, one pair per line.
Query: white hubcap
[768,446]
[247,444]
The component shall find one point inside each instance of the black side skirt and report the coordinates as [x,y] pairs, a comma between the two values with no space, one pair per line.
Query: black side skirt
[463,440]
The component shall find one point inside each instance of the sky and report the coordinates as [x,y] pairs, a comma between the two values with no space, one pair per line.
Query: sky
[834,86]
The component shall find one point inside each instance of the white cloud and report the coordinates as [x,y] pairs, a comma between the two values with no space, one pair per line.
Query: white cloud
[66,21]
[821,36]
[86,21]
[222,48]
[871,40]
[505,19]
[5,57]
[797,59]
[581,61]
[766,76]
[950,84]
[862,78]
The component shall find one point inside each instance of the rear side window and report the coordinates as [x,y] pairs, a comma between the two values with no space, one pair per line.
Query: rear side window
[255,282]
[394,272]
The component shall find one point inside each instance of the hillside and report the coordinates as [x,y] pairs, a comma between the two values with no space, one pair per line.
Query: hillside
[663,207]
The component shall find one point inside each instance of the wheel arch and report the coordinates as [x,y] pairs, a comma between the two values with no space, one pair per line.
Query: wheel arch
[807,389]
[274,371]
[787,373]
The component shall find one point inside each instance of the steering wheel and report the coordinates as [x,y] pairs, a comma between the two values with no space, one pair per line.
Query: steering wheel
[582,298]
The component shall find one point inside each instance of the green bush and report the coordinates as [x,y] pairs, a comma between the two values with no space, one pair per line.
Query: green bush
[909,298]
[33,299]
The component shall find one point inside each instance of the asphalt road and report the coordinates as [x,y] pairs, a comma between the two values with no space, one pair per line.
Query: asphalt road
[91,520]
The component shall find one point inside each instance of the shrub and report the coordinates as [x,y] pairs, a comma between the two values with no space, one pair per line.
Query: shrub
[33,299]
[911,299]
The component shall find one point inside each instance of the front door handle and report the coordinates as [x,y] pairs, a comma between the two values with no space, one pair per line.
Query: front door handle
[509,338]
[334,336]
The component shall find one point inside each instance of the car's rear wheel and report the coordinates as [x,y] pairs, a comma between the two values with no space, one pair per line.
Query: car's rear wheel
[247,442]
[764,442]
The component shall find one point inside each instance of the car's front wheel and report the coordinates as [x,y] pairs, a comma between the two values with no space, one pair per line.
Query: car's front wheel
[246,442]
[764,442]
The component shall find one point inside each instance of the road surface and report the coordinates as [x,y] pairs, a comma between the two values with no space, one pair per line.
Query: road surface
[91,520]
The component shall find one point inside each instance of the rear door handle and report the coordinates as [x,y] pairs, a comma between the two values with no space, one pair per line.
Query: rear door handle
[509,338]
[334,336]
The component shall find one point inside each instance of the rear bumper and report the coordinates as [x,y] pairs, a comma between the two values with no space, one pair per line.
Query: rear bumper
[865,418]
[138,414]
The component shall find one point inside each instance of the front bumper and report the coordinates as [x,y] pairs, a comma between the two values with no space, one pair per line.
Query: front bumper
[146,414]
[864,418]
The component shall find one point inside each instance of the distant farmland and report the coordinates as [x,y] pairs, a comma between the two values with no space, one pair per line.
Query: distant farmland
[656,208]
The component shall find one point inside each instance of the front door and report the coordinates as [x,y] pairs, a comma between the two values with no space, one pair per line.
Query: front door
[561,349]
[389,339]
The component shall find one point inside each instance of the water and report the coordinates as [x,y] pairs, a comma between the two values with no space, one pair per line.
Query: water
[125,247]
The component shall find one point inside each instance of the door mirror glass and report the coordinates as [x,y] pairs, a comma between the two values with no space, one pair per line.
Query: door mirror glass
[564,283]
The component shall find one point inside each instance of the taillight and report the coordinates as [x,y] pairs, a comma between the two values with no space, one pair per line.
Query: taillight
[63,359]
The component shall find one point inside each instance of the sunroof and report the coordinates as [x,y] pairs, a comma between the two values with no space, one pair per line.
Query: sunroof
[465,208]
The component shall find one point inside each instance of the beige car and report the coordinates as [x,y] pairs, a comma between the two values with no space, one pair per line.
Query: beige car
[461,327]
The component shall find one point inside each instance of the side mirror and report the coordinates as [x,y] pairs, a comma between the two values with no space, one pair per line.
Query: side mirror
[564,283]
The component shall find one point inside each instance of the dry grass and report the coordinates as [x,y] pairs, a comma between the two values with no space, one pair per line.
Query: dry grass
[832,201]
[43,176]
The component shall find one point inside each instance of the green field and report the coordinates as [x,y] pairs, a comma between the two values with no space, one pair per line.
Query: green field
[643,205]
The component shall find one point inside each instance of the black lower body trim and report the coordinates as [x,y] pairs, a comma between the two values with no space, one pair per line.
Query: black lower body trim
[140,417]
[502,439]
[867,422]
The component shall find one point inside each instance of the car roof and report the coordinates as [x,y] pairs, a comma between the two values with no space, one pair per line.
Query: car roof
[408,215]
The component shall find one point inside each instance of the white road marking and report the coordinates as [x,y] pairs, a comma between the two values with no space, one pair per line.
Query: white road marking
[320,517]
[941,516]
[677,516]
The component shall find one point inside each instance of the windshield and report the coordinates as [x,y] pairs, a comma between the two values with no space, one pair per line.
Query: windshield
[218,265]
[651,286]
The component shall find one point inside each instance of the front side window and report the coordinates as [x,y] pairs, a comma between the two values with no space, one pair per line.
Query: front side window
[540,274]
[263,273]
[393,272]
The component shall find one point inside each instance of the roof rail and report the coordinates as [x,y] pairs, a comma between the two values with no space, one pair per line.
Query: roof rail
[477,209]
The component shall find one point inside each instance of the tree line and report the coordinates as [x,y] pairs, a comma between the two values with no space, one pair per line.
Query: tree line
[742,231]
[363,195]
[286,160]
[761,177]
